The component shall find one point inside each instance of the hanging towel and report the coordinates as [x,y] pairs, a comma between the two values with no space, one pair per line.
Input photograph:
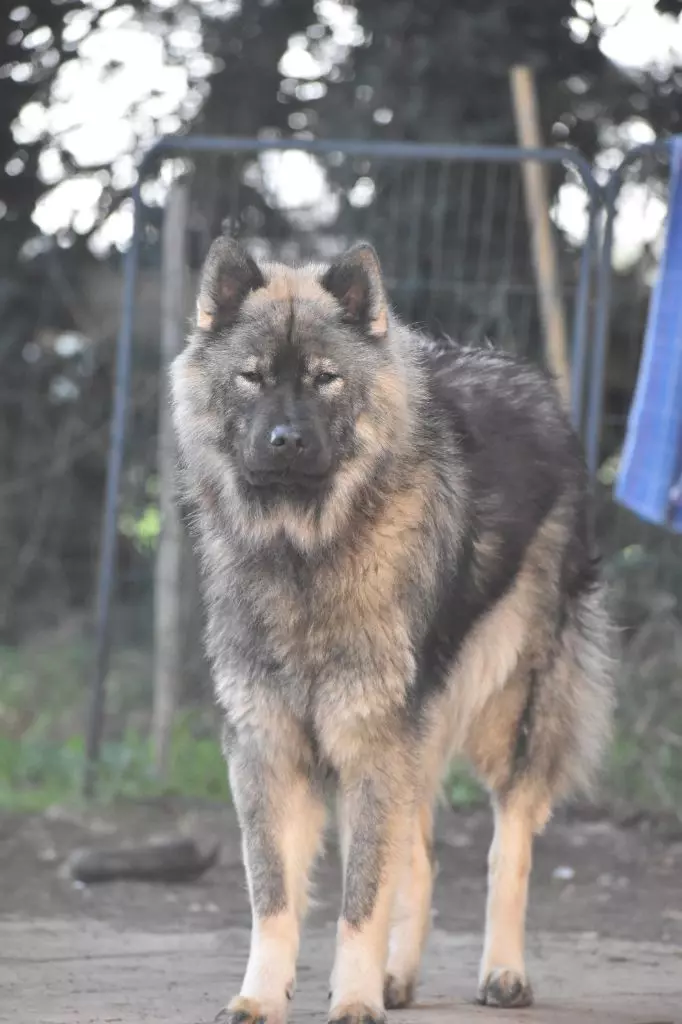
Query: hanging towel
[650,477]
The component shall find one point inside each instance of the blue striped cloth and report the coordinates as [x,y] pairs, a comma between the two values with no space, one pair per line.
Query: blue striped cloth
[650,477]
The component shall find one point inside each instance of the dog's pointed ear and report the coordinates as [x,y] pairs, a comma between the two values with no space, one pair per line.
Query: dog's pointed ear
[228,275]
[355,281]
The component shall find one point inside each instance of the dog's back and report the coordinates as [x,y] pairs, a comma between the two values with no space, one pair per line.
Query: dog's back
[520,642]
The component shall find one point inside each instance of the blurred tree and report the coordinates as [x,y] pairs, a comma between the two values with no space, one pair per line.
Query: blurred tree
[438,71]
[379,69]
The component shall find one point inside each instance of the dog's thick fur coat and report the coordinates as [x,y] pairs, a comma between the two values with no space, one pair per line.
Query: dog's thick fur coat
[394,542]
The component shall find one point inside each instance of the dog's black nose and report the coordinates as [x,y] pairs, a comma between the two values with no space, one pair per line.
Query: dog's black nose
[286,436]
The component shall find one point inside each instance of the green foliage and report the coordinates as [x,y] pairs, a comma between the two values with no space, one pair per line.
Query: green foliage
[144,529]
[462,789]
[608,471]
[42,750]
[646,772]
[42,699]
[36,770]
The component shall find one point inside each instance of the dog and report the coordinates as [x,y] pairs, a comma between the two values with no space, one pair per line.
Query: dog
[397,567]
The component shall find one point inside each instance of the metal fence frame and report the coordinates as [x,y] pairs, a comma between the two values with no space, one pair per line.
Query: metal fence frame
[610,194]
[588,362]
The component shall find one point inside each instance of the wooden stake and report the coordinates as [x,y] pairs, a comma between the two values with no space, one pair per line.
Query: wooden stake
[169,559]
[547,277]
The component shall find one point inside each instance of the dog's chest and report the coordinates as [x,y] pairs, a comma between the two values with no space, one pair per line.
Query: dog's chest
[341,634]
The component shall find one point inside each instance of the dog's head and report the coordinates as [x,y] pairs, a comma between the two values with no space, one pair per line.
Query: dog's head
[291,389]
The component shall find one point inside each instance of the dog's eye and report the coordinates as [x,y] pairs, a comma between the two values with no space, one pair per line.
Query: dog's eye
[252,377]
[323,379]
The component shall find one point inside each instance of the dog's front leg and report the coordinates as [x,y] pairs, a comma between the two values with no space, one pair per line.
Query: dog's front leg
[374,824]
[281,816]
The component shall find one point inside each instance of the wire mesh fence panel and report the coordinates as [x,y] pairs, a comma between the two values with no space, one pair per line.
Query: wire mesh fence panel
[452,236]
[637,241]
[638,235]
[453,239]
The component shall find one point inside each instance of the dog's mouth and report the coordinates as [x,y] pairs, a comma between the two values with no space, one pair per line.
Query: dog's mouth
[285,480]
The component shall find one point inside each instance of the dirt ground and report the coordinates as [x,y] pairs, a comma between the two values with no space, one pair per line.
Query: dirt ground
[605,927]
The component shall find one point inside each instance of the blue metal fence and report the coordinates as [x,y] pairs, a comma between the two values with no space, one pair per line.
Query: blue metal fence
[603,289]
[440,263]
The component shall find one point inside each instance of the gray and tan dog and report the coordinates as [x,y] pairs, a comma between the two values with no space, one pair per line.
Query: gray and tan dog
[396,567]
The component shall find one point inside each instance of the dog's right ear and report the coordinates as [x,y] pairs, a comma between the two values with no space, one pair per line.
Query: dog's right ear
[228,275]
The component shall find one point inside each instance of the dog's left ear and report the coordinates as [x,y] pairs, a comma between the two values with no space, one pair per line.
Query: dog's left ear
[355,281]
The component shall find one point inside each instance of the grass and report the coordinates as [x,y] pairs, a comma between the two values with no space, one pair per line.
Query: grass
[42,747]
[43,697]
[36,772]
[461,789]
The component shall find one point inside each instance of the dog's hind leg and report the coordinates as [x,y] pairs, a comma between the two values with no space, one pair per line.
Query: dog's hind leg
[562,717]
[411,913]
[503,980]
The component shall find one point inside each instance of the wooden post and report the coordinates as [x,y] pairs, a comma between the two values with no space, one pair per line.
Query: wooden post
[169,559]
[548,279]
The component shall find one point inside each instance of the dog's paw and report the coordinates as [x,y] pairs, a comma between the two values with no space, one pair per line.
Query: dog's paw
[249,1011]
[398,993]
[505,988]
[356,1013]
